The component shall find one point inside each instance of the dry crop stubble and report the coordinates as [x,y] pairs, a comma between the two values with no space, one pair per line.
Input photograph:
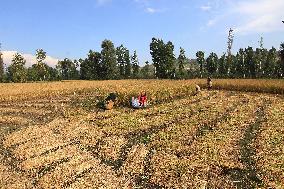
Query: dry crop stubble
[269,146]
[182,141]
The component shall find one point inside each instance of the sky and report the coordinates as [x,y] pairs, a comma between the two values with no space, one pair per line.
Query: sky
[70,28]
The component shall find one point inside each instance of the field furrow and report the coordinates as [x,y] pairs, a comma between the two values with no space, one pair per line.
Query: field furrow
[269,145]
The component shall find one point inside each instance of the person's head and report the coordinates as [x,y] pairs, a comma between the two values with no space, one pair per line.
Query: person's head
[143,93]
[112,96]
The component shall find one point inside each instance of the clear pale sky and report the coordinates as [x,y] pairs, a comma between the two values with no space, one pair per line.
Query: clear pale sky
[70,28]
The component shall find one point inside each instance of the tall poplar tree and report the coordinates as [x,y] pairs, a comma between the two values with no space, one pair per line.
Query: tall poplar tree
[135,65]
[109,63]
[212,63]
[201,61]
[181,63]
[163,58]
[17,71]
[281,53]
[1,68]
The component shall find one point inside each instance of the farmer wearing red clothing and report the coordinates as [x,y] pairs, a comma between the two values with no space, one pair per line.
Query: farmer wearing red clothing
[139,102]
[142,99]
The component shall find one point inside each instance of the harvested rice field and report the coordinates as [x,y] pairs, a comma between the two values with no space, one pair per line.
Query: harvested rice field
[54,135]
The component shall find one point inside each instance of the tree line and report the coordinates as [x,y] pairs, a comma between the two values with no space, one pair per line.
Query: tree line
[18,72]
[247,63]
[117,63]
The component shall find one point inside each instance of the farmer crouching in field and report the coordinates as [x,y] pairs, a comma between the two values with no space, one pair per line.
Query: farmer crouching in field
[197,89]
[209,83]
[139,102]
[110,101]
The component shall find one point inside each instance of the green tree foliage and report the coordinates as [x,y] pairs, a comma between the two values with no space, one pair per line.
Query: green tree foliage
[170,60]
[250,62]
[260,58]
[258,61]
[156,48]
[40,67]
[17,71]
[91,67]
[128,69]
[145,71]
[163,58]
[192,69]
[240,64]
[232,69]
[67,69]
[32,73]
[222,66]
[120,60]
[95,64]
[212,63]
[109,63]
[85,72]
[94,60]
[1,68]
[135,65]
[270,64]
[281,54]
[123,61]
[116,63]
[181,63]
[54,74]
[201,61]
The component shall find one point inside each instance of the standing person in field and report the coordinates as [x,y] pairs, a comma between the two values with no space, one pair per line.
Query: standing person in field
[139,102]
[209,83]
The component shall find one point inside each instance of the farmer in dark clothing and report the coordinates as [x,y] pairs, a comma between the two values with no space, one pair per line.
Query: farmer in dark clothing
[110,101]
[209,83]
[111,96]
